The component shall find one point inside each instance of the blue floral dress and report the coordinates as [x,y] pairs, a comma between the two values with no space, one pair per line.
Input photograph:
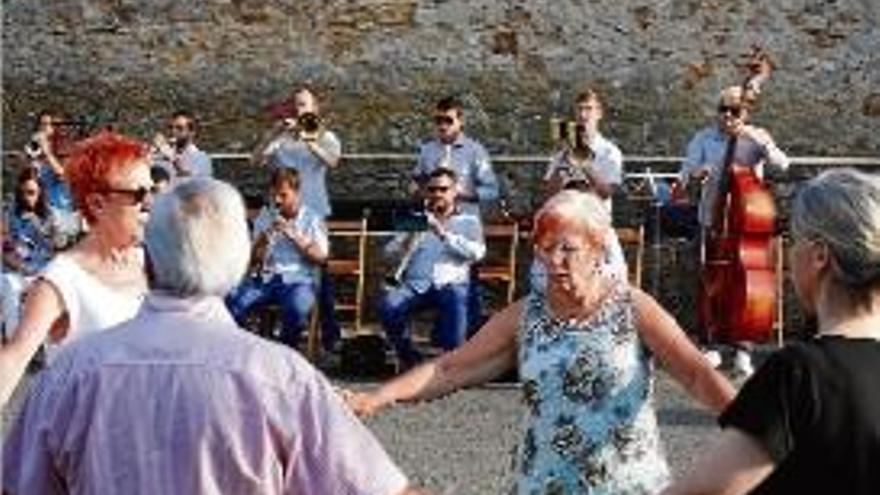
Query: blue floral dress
[590,426]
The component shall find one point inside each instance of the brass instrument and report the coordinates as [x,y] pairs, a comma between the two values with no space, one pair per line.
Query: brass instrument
[571,139]
[310,126]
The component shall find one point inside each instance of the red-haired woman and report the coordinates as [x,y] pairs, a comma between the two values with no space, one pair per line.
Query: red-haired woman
[101,280]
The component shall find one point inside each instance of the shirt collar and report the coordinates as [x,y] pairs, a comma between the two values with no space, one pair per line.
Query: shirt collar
[202,307]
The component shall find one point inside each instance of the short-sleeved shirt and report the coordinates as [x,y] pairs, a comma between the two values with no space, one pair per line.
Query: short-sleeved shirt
[284,258]
[815,408]
[708,148]
[181,400]
[289,151]
[607,164]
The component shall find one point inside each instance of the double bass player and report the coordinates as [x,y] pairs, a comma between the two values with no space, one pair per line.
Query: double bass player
[707,154]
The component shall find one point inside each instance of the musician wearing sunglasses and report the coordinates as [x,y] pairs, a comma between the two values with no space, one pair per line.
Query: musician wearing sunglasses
[178,152]
[706,152]
[101,280]
[705,160]
[451,148]
[434,270]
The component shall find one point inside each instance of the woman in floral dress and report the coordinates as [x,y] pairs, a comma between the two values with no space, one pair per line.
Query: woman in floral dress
[585,347]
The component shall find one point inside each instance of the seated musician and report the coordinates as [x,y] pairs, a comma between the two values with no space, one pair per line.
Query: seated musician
[434,270]
[705,160]
[290,245]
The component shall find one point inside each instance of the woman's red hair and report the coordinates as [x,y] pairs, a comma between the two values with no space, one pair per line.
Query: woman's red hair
[92,161]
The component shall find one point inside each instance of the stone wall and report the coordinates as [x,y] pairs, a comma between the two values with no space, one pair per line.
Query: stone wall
[381,63]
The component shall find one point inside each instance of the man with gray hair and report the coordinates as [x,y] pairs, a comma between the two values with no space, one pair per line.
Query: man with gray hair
[181,400]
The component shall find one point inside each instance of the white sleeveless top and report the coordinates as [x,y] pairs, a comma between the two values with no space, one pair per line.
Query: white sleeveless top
[91,305]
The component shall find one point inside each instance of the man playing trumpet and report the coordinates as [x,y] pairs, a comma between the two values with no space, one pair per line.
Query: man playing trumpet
[435,270]
[299,141]
[589,160]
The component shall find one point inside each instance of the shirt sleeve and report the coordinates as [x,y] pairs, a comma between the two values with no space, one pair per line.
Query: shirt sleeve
[465,238]
[486,183]
[693,158]
[612,173]
[317,232]
[421,167]
[331,143]
[29,465]
[774,406]
[335,452]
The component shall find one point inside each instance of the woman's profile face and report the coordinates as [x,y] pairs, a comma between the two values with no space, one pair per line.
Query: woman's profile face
[127,199]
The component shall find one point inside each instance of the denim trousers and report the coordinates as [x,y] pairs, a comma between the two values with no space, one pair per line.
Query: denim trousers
[450,328]
[294,299]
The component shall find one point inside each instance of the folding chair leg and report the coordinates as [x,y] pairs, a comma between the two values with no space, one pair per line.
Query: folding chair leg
[313,345]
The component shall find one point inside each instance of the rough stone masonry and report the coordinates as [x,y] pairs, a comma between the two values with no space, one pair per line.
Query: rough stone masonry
[381,63]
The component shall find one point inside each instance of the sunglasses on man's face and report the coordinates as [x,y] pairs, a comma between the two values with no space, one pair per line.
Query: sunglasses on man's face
[138,195]
[733,111]
[443,120]
[434,189]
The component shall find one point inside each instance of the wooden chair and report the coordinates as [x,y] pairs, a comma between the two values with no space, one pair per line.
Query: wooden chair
[347,261]
[502,242]
[632,240]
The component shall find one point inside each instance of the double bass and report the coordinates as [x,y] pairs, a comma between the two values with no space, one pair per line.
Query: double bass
[739,291]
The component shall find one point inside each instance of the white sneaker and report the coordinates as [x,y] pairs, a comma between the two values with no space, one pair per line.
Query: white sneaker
[742,363]
[713,356]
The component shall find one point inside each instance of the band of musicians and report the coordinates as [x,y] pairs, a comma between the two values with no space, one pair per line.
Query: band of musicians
[157,319]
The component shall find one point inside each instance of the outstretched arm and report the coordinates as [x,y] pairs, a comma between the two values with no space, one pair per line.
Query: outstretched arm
[735,464]
[679,356]
[488,354]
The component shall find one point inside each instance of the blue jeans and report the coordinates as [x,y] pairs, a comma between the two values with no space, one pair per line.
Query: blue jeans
[296,301]
[450,329]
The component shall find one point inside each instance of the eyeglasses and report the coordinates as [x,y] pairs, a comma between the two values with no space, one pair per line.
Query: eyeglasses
[566,249]
[433,189]
[733,111]
[443,120]
[178,127]
[138,195]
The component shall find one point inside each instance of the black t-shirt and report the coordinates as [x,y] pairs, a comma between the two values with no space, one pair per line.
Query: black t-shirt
[815,408]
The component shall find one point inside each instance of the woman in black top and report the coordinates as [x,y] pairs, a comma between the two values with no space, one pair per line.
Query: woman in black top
[809,420]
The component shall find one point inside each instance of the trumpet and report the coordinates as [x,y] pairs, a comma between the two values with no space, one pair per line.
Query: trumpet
[310,126]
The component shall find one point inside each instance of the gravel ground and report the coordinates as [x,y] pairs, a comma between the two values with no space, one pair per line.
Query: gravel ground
[465,443]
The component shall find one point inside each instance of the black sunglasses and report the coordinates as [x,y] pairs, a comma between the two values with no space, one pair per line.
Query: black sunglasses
[138,195]
[439,188]
[733,111]
[443,120]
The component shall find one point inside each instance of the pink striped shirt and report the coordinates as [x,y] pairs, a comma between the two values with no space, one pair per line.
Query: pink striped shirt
[180,400]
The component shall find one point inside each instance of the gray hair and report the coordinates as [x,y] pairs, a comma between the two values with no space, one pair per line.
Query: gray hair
[841,208]
[571,208]
[197,240]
